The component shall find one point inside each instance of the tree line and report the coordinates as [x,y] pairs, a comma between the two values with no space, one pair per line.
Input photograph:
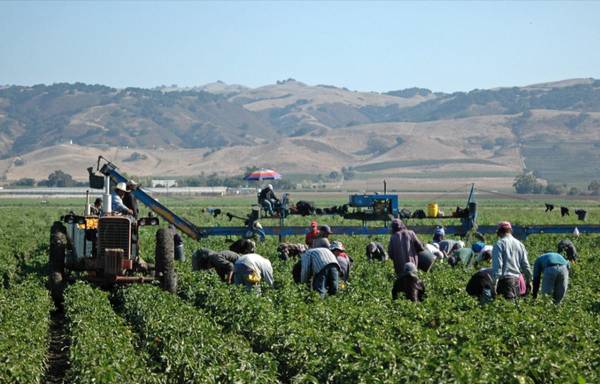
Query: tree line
[528,183]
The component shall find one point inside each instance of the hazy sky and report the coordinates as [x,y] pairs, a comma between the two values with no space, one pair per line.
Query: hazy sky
[444,46]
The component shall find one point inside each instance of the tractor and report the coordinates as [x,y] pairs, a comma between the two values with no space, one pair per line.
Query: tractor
[105,248]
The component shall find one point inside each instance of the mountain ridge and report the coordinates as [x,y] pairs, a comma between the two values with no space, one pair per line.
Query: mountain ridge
[228,127]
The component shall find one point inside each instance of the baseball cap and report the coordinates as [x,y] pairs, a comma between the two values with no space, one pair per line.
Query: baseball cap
[325,229]
[478,246]
[504,225]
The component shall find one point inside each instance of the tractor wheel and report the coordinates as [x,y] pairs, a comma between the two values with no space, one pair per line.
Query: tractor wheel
[165,260]
[58,246]
[57,287]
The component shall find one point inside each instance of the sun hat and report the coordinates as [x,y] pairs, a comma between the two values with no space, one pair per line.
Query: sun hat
[410,267]
[122,187]
[337,245]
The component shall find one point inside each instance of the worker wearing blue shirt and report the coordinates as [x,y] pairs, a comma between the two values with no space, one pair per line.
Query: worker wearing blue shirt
[117,200]
[555,269]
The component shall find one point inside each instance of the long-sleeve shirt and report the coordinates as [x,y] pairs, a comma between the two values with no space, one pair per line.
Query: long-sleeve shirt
[223,262]
[259,264]
[310,236]
[544,261]
[404,247]
[509,259]
[117,204]
[313,261]
[345,264]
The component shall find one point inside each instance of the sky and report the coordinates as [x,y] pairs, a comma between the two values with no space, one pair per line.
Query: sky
[366,46]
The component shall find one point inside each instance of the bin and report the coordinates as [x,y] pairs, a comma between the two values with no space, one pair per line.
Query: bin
[432,210]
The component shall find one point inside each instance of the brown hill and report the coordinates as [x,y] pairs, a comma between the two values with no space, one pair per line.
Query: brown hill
[297,128]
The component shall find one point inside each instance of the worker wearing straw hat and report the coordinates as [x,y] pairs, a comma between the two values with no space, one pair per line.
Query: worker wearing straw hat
[117,199]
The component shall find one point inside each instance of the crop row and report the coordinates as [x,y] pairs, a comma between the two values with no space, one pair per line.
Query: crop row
[24,238]
[102,345]
[186,344]
[24,324]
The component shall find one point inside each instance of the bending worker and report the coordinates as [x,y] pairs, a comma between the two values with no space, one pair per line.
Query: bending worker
[555,269]
[320,264]
[222,262]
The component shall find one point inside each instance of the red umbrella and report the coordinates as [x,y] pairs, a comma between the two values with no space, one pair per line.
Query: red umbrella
[263,174]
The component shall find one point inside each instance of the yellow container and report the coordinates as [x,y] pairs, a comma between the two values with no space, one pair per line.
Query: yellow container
[432,210]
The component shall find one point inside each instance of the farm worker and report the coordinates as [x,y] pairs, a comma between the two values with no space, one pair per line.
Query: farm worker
[178,244]
[482,251]
[409,284]
[320,264]
[96,209]
[426,259]
[447,246]
[344,261]
[434,248]
[287,250]
[404,246]
[267,199]
[222,262]
[568,248]
[129,200]
[461,255]
[117,200]
[251,269]
[325,231]
[555,269]
[243,246]
[312,234]
[472,256]
[509,260]
[376,251]
[481,285]
[438,234]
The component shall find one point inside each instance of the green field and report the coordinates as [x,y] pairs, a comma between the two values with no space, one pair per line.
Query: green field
[210,332]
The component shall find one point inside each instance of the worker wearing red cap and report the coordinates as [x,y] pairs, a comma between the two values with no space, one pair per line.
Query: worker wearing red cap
[509,260]
[313,234]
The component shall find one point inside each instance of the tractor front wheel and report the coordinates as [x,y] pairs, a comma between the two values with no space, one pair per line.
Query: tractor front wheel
[165,260]
[58,247]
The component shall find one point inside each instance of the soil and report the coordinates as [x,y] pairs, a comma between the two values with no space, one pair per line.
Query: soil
[58,349]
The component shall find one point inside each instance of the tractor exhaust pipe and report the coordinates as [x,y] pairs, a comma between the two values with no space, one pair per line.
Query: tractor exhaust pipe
[106,197]
[87,203]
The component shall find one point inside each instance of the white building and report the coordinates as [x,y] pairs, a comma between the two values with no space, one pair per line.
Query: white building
[164,183]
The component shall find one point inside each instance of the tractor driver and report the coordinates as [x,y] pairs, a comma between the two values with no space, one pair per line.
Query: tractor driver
[117,200]
[267,199]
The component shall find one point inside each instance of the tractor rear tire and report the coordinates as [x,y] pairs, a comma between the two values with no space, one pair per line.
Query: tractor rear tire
[58,247]
[165,260]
